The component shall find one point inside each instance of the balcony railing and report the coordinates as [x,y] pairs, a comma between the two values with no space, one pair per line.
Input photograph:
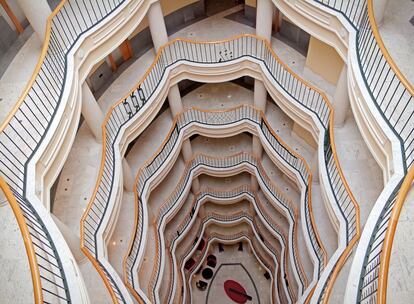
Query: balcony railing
[32,255]
[210,194]
[27,125]
[372,286]
[181,51]
[226,118]
[390,91]
[219,218]
[29,121]
[393,96]
[139,237]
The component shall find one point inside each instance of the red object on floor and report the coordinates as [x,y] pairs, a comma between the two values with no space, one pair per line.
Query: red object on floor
[235,291]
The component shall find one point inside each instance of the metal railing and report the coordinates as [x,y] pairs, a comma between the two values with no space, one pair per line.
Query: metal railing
[391,92]
[385,257]
[182,51]
[28,123]
[393,96]
[373,280]
[221,219]
[284,205]
[248,113]
[214,119]
[216,194]
[38,294]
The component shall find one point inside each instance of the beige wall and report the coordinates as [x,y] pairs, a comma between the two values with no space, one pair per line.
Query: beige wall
[251,3]
[324,60]
[304,134]
[168,7]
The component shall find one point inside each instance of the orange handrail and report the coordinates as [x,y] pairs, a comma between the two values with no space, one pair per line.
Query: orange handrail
[275,136]
[384,50]
[269,47]
[290,205]
[12,16]
[385,257]
[27,239]
[237,189]
[36,71]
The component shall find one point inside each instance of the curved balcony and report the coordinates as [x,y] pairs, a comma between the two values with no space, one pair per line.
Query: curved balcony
[382,101]
[220,167]
[380,95]
[225,123]
[237,194]
[225,220]
[372,285]
[131,115]
[42,125]
[390,91]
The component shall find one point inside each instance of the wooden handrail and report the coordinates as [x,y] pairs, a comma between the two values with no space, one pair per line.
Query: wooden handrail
[27,239]
[324,257]
[384,50]
[37,67]
[257,201]
[12,16]
[289,70]
[385,256]
[295,227]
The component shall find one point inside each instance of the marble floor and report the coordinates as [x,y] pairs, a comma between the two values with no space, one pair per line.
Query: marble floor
[397,33]
[401,270]
[18,74]
[240,266]
[16,285]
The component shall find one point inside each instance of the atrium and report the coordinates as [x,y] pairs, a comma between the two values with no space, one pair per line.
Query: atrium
[206,151]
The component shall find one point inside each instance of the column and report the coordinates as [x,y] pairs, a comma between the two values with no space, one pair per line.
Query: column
[174,100]
[37,13]
[160,37]
[91,112]
[263,29]
[379,11]
[257,150]
[254,184]
[251,209]
[341,98]
[264,18]
[176,107]
[157,25]
[315,168]
[71,239]
[260,95]
[127,176]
